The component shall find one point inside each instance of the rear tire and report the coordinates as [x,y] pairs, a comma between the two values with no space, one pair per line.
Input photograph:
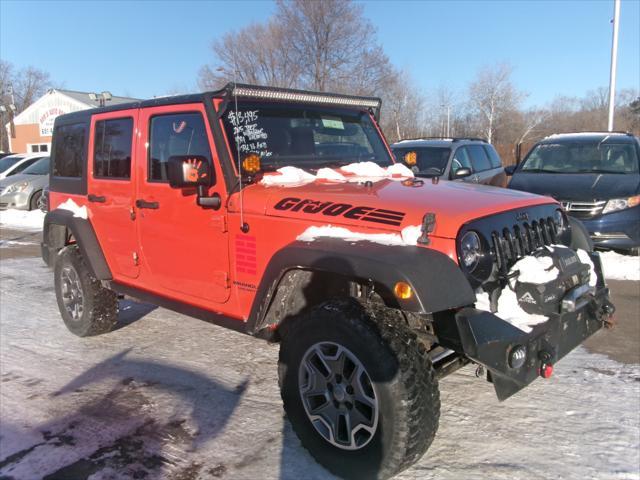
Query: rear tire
[87,308]
[401,419]
[34,203]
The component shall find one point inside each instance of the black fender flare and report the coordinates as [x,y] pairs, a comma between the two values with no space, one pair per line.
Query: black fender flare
[84,235]
[437,281]
[580,237]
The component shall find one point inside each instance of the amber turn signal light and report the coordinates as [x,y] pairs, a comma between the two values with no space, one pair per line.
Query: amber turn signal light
[410,158]
[251,163]
[403,291]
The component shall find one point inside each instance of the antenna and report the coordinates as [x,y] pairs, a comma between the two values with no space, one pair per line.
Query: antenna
[244,227]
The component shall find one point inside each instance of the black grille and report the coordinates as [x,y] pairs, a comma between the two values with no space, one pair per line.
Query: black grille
[513,243]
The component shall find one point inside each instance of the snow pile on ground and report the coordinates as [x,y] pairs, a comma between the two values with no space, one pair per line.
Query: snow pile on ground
[355,172]
[73,207]
[22,219]
[620,267]
[407,237]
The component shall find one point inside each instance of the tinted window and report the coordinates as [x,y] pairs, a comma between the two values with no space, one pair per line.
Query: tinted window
[460,160]
[181,134]
[69,150]
[479,158]
[41,167]
[434,158]
[24,165]
[112,148]
[582,158]
[8,162]
[494,158]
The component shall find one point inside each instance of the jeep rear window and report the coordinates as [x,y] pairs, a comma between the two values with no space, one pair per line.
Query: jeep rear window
[429,159]
[304,136]
[69,150]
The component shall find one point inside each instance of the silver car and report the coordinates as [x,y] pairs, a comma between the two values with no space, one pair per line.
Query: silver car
[23,191]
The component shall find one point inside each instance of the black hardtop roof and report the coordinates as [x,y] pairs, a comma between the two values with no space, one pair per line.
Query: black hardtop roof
[256,92]
[590,137]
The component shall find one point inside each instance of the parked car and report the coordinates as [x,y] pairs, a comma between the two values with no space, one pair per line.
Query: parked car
[467,159]
[5,154]
[23,191]
[16,163]
[368,283]
[596,177]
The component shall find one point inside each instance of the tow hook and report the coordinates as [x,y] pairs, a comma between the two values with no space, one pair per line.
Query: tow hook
[546,369]
[605,314]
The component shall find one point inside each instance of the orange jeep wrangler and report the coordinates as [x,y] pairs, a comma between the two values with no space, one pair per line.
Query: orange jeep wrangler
[281,214]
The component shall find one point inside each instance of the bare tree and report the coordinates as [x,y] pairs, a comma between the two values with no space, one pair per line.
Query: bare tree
[19,88]
[259,54]
[492,94]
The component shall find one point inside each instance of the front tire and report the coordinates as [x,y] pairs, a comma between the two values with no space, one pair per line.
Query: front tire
[358,388]
[87,308]
[34,203]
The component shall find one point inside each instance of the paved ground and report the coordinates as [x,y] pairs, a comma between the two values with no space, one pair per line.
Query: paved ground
[166,396]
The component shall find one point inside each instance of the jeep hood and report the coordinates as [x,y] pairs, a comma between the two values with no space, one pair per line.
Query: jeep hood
[397,204]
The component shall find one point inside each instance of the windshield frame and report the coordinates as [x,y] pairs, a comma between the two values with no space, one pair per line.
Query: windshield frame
[381,151]
[633,145]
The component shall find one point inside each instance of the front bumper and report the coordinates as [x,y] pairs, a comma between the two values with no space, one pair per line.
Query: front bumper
[615,230]
[487,340]
[18,200]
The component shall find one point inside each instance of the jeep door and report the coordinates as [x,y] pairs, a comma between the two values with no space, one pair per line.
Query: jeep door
[111,188]
[184,246]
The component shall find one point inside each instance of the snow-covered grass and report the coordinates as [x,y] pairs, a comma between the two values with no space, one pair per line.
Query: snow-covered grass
[21,219]
[620,267]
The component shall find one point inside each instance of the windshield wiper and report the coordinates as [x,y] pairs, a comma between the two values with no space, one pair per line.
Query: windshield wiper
[599,170]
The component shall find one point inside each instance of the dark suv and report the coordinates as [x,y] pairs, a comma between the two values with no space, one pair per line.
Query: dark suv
[596,178]
[468,159]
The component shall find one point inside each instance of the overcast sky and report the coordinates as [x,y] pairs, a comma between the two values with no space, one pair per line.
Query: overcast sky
[149,48]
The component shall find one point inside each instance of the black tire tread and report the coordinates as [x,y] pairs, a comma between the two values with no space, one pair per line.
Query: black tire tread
[103,314]
[418,397]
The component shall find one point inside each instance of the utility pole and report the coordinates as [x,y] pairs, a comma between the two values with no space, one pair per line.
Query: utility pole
[614,63]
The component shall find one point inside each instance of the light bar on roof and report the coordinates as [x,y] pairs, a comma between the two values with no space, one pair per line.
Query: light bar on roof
[307,97]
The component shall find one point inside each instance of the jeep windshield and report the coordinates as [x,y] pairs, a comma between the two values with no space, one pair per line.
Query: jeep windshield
[582,158]
[303,136]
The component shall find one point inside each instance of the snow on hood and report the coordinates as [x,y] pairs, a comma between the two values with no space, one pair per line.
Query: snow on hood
[73,207]
[358,172]
[407,237]
[453,203]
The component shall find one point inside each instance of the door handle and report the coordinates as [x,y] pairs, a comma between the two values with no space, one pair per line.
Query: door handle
[96,198]
[145,204]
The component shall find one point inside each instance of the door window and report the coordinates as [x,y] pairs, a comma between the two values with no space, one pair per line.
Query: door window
[494,158]
[24,165]
[479,158]
[175,134]
[112,148]
[460,160]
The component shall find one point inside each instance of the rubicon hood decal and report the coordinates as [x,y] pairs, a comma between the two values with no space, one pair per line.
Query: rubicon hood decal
[333,209]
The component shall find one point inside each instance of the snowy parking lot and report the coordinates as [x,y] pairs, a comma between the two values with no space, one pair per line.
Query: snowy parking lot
[167,396]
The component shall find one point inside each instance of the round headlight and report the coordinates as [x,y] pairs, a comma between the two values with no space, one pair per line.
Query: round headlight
[558,219]
[470,250]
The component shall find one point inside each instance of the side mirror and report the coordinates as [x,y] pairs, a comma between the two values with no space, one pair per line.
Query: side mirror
[462,172]
[189,171]
[510,169]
